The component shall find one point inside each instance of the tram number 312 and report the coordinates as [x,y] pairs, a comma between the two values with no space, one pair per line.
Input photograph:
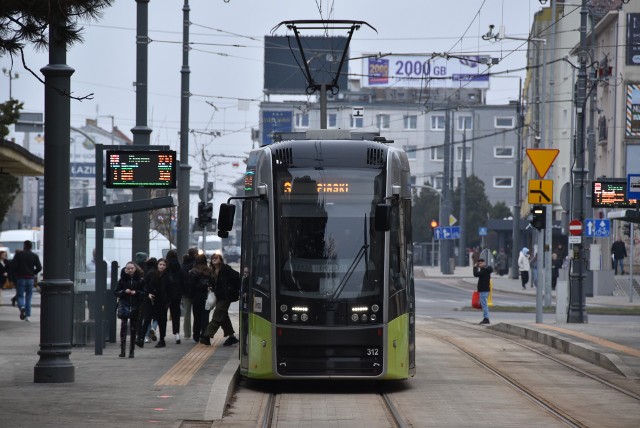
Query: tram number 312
[372,352]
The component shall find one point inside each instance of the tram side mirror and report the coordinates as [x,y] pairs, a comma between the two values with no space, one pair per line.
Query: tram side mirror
[383,217]
[225,219]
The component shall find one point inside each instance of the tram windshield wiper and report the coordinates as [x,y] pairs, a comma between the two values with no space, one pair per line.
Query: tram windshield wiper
[362,252]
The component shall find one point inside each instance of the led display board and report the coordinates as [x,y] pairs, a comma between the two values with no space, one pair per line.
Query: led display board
[610,193]
[135,169]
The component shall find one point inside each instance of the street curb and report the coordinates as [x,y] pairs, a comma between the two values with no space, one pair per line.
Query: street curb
[222,389]
[579,350]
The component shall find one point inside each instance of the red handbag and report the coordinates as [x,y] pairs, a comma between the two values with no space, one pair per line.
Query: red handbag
[475,300]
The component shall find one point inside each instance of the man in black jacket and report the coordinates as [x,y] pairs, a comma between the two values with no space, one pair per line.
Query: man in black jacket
[26,266]
[483,273]
[619,252]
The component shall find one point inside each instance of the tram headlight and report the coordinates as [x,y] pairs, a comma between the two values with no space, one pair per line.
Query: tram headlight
[283,308]
[373,317]
[304,317]
[354,317]
[285,317]
[375,308]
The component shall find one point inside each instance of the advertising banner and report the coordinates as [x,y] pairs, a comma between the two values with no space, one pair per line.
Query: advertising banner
[420,71]
[633,110]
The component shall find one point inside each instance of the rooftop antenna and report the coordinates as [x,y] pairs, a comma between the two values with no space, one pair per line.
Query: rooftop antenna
[324,25]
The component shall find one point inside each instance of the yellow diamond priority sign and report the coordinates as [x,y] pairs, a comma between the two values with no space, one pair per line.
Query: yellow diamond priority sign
[542,159]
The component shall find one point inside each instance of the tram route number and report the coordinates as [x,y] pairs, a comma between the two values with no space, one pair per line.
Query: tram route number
[372,352]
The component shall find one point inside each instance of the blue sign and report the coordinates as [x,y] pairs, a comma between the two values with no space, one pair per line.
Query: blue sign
[455,232]
[440,233]
[597,227]
[633,186]
[275,121]
[482,231]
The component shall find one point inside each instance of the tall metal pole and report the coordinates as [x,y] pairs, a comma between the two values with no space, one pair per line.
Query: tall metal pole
[54,365]
[184,183]
[446,198]
[576,290]
[141,132]
[516,207]
[463,202]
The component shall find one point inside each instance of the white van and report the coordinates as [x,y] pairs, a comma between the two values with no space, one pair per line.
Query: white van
[212,245]
[14,240]
[117,245]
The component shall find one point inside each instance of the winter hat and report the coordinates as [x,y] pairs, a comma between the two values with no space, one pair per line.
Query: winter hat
[525,250]
[141,257]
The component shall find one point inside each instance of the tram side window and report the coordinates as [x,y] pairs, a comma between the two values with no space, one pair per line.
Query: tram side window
[397,278]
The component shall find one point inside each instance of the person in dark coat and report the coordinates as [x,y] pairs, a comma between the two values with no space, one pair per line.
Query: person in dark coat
[226,286]
[130,292]
[25,266]
[146,321]
[188,261]
[175,291]
[619,251]
[199,283]
[556,265]
[483,273]
[160,286]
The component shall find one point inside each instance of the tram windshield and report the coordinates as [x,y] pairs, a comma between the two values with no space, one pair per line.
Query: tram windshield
[328,246]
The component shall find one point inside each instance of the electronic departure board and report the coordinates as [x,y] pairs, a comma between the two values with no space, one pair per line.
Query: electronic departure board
[133,169]
[610,193]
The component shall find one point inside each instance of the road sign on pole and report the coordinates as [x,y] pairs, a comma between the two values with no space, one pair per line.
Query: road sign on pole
[542,159]
[575,227]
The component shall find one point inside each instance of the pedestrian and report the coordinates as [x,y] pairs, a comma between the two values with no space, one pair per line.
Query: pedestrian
[501,263]
[556,265]
[5,282]
[175,291]
[188,261]
[159,288]
[26,266]
[146,321]
[619,251]
[199,285]
[130,292]
[524,266]
[226,286]
[533,268]
[483,273]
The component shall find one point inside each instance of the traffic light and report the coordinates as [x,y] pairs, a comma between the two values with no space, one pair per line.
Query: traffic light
[538,217]
[434,224]
[202,214]
[626,229]
[207,212]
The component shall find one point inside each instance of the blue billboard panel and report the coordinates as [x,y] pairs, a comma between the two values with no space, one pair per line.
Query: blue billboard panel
[275,121]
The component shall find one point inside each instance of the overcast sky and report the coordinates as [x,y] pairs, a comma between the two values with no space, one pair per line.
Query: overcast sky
[227,58]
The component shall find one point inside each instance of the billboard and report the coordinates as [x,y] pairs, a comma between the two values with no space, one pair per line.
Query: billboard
[284,66]
[633,39]
[275,121]
[633,110]
[420,71]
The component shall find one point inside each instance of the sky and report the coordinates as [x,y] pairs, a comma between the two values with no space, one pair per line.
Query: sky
[226,61]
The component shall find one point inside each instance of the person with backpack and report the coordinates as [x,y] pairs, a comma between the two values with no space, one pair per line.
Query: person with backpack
[226,285]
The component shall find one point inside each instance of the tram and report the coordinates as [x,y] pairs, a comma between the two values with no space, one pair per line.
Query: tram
[326,261]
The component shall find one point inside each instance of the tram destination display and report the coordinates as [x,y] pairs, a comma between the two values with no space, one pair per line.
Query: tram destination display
[141,169]
[610,193]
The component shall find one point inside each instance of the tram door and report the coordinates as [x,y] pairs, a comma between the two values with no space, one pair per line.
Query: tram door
[255,302]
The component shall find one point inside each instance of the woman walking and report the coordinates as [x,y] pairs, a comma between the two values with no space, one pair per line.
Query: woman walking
[161,282]
[130,292]
[199,283]
[226,286]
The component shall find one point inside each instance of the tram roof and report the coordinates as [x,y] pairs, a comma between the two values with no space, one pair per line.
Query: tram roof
[330,134]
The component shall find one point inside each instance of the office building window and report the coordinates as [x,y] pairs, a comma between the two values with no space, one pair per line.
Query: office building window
[357,122]
[505,122]
[459,153]
[383,121]
[437,123]
[302,120]
[411,121]
[503,182]
[411,151]
[503,152]
[465,123]
[437,153]
[332,120]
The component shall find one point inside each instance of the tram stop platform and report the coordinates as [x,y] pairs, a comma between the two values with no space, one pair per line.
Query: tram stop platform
[190,385]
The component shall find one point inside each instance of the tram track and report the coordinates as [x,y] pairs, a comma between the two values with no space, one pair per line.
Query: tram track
[558,412]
